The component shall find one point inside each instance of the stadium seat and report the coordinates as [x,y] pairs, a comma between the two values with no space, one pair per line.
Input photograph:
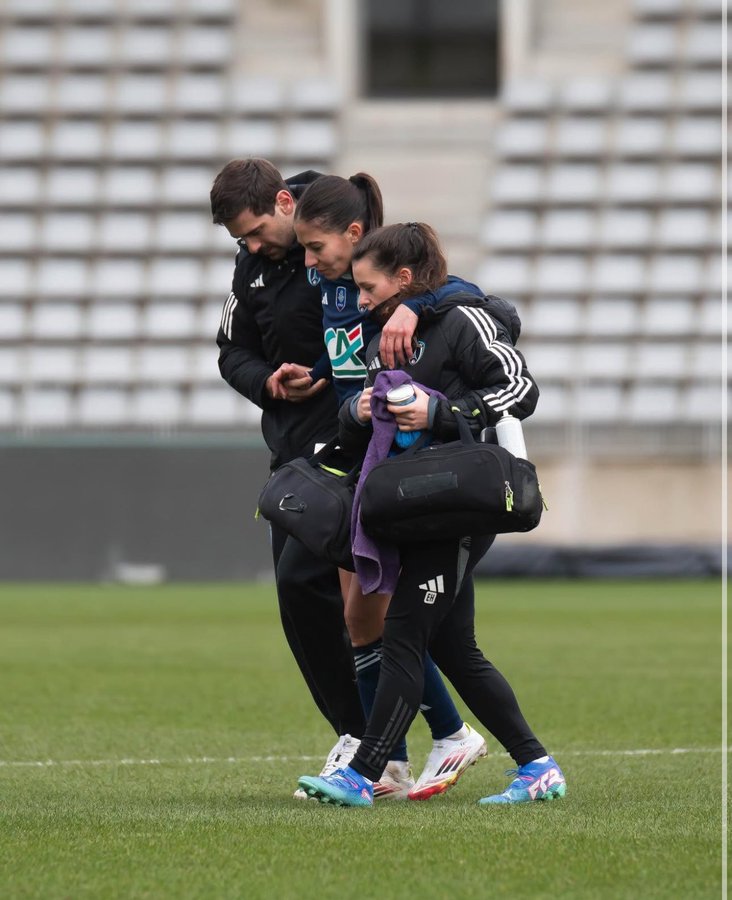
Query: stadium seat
[568,228]
[204,368]
[115,321]
[636,182]
[12,364]
[21,140]
[8,409]
[504,274]
[554,404]
[19,185]
[15,277]
[205,45]
[618,272]
[655,44]
[523,138]
[700,91]
[108,406]
[645,91]
[57,321]
[517,184]
[654,403]
[86,45]
[697,137]
[577,183]
[527,95]
[668,315]
[604,360]
[641,137]
[260,94]
[186,185]
[675,272]
[563,273]
[710,316]
[72,140]
[706,361]
[163,364]
[580,136]
[199,92]
[67,231]
[174,276]
[140,94]
[12,319]
[62,277]
[129,185]
[220,406]
[598,403]
[124,231]
[83,94]
[170,321]
[18,231]
[72,185]
[156,406]
[26,45]
[145,45]
[624,227]
[24,94]
[685,228]
[612,316]
[548,360]
[309,138]
[664,360]
[113,365]
[704,402]
[135,140]
[703,44]
[586,95]
[217,275]
[46,407]
[51,365]
[117,277]
[193,139]
[209,319]
[182,231]
[510,228]
[690,182]
[560,316]
[252,138]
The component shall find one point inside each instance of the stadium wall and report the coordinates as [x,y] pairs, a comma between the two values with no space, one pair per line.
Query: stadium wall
[154,511]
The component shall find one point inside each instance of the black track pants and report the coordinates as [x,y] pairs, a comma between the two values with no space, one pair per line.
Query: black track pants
[311,610]
[425,614]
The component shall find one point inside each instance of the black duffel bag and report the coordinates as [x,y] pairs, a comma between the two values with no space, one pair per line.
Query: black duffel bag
[312,500]
[450,490]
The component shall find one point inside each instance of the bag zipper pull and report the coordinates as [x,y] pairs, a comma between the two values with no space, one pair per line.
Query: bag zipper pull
[509,497]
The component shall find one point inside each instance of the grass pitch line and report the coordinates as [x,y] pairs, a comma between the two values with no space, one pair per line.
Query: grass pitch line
[217,760]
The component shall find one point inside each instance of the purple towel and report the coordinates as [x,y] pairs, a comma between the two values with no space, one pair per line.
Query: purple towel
[377,564]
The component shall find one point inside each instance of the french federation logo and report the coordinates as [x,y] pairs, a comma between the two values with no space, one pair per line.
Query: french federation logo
[340,298]
[313,276]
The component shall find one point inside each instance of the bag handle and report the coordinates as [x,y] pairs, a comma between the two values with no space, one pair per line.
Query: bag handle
[320,456]
[466,435]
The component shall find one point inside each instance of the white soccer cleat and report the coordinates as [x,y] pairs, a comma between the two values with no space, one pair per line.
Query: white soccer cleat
[338,758]
[450,757]
[395,783]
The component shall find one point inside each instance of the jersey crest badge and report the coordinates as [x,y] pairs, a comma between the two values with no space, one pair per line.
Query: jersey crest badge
[340,300]
[313,276]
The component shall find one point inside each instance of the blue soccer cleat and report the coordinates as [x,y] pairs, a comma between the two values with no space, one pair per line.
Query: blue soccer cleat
[534,781]
[344,787]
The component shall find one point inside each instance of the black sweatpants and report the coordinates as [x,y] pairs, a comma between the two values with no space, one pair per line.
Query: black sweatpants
[311,610]
[427,613]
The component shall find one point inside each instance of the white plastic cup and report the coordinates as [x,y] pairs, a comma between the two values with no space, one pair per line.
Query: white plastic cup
[402,395]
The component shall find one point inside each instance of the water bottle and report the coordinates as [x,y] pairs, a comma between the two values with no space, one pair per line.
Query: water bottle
[510,435]
[403,395]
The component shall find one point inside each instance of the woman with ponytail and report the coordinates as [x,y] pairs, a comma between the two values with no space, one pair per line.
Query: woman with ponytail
[331,217]
[468,361]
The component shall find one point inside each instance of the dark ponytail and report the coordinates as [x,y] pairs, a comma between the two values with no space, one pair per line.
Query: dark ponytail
[414,245]
[332,203]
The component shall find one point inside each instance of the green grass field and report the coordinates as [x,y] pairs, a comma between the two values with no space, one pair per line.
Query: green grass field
[151,740]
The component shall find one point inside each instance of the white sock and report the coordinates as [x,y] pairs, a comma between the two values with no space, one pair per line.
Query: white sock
[541,759]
